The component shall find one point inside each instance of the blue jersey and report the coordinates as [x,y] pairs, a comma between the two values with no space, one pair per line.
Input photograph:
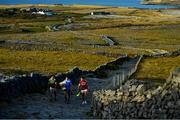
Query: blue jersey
[68,84]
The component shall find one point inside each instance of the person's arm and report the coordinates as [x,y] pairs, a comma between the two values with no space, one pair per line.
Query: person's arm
[79,87]
[62,83]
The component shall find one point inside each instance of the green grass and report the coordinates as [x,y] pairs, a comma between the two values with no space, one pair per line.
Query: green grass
[157,68]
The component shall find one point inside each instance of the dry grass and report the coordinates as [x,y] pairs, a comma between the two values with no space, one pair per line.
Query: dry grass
[142,37]
[157,68]
[48,62]
[146,29]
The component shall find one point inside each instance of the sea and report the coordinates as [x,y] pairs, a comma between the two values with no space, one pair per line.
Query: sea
[114,3]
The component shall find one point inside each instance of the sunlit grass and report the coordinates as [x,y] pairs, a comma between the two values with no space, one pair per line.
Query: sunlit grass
[48,62]
[152,38]
[136,28]
[157,68]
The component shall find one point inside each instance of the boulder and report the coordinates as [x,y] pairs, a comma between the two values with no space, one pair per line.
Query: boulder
[138,98]
[133,88]
[140,89]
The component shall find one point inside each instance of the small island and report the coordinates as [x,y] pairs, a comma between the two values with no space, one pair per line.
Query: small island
[154,2]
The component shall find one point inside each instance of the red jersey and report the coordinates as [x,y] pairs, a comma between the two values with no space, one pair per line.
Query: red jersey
[83,84]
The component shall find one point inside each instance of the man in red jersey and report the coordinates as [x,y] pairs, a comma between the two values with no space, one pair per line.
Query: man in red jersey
[83,89]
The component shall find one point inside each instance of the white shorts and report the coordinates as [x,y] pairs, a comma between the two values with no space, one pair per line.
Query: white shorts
[84,91]
[52,90]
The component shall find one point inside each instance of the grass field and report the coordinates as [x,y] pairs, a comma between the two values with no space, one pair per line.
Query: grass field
[157,68]
[137,31]
[47,62]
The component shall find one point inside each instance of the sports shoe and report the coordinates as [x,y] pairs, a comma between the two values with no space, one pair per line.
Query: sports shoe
[85,102]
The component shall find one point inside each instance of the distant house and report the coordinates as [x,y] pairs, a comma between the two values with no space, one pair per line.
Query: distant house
[40,11]
[100,13]
[43,13]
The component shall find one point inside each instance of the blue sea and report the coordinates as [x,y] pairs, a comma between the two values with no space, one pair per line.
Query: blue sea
[116,3]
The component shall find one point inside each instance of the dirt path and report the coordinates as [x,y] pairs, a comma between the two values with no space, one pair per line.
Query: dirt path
[38,105]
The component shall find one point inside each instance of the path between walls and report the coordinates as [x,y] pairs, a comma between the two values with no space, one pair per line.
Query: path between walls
[39,106]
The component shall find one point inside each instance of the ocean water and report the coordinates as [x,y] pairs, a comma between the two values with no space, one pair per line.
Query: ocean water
[116,3]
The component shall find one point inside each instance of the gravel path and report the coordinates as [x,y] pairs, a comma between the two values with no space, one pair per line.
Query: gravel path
[36,106]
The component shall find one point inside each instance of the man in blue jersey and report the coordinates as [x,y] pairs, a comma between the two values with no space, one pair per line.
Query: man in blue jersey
[66,86]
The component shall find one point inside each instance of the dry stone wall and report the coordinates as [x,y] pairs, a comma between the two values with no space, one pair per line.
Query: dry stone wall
[101,71]
[15,86]
[138,99]
[121,78]
[168,54]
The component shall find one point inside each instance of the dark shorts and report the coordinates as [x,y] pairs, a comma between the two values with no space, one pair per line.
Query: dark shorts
[68,91]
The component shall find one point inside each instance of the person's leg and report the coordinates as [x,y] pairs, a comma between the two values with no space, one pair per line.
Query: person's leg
[68,95]
[55,94]
[72,90]
[65,96]
[85,96]
[50,93]
[82,97]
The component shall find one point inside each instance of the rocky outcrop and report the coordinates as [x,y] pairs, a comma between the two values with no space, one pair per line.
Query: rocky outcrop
[138,99]
[153,2]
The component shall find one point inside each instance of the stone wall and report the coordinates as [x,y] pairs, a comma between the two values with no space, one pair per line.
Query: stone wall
[121,78]
[175,75]
[168,54]
[101,71]
[15,86]
[139,99]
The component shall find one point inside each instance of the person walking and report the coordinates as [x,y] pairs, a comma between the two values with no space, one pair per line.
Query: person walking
[52,83]
[66,86]
[83,89]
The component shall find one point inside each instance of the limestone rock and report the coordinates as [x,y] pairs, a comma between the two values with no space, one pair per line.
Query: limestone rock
[133,88]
